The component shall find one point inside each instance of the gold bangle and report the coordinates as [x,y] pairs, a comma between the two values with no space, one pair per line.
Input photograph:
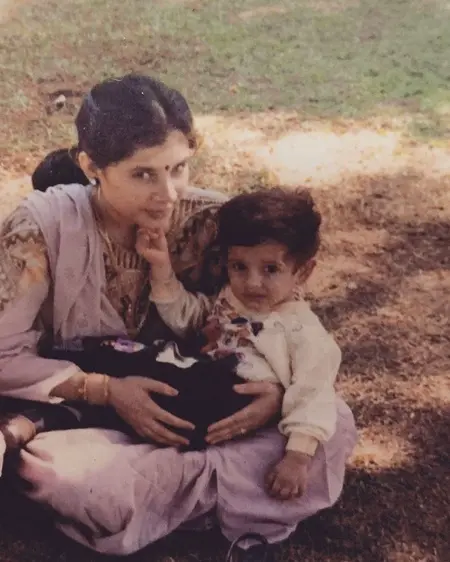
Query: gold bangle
[97,389]
[106,389]
[82,389]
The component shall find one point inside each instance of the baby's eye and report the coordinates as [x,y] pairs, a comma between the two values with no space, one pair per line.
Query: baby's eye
[271,268]
[238,266]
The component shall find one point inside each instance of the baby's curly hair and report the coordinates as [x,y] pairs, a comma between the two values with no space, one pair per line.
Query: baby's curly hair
[287,216]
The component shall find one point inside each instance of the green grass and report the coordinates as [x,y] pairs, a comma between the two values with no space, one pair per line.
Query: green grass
[355,61]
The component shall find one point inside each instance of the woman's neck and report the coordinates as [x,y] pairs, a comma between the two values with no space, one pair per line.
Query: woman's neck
[118,232]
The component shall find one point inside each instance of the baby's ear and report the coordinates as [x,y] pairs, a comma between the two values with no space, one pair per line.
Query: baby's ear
[304,271]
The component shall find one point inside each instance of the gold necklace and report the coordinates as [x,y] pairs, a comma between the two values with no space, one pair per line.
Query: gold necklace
[129,306]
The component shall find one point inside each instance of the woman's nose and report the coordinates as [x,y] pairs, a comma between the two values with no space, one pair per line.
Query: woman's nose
[167,191]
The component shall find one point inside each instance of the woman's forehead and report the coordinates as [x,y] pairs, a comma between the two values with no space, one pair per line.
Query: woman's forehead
[173,151]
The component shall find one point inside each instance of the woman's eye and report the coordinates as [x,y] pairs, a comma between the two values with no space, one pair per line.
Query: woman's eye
[144,176]
[179,169]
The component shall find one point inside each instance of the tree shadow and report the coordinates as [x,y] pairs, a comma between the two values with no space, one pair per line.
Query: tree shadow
[383,510]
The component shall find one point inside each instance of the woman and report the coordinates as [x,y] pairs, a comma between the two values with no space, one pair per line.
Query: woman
[69,268]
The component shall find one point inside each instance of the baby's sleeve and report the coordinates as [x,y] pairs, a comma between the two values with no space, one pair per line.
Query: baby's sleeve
[309,404]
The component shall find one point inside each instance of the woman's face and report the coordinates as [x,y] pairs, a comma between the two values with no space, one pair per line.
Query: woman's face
[142,190]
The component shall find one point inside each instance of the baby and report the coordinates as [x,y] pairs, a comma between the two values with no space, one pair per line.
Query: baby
[267,240]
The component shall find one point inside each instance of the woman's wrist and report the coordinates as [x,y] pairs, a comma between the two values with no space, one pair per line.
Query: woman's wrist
[70,389]
[92,388]
[95,389]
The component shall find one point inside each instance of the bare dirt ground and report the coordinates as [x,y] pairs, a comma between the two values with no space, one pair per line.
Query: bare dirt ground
[6,9]
[382,287]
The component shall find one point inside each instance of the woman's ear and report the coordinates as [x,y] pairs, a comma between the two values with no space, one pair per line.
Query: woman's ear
[89,168]
[304,272]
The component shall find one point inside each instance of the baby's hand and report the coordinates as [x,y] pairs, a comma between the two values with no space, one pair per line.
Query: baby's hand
[152,246]
[289,477]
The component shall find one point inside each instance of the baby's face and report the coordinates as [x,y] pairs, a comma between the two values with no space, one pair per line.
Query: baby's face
[261,277]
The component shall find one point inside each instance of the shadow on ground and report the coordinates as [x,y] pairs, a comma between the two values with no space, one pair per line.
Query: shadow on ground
[382,287]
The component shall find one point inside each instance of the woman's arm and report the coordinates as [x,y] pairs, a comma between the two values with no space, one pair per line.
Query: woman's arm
[24,287]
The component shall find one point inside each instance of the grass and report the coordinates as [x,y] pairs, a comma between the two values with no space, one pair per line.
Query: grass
[343,58]
[363,88]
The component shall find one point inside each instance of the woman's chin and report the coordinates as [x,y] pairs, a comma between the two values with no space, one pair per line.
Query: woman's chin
[151,223]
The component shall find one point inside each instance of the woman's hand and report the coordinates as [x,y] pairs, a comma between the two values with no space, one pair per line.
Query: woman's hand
[152,246]
[131,399]
[264,408]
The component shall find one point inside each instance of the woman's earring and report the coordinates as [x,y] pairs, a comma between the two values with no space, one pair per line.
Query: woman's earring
[93,181]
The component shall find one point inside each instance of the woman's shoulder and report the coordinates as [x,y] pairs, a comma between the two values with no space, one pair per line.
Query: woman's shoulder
[64,197]
[19,226]
[198,201]
[23,254]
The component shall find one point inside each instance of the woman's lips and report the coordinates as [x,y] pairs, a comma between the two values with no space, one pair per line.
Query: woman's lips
[159,214]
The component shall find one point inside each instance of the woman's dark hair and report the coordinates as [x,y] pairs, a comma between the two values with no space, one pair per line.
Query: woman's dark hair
[285,216]
[117,117]
[58,167]
[121,115]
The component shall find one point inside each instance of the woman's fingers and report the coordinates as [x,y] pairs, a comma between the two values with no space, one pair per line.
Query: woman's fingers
[159,387]
[154,431]
[233,422]
[256,415]
[164,435]
[151,239]
[170,419]
[157,412]
[152,246]
[237,425]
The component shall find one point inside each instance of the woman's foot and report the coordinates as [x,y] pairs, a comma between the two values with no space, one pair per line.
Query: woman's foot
[262,551]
